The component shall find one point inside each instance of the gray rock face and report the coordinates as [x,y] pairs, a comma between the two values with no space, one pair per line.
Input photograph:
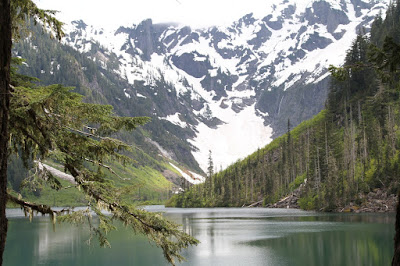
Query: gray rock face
[246,21]
[193,37]
[262,36]
[315,41]
[360,5]
[276,61]
[145,38]
[322,13]
[275,25]
[220,84]
[188,63]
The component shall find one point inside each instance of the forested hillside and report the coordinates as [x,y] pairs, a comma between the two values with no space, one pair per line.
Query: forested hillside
[348,150]
[150,177]
[262,67]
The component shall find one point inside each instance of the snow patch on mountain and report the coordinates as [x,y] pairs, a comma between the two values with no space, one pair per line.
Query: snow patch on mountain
[174,119]
[240,135]
[223,72]
[191,177]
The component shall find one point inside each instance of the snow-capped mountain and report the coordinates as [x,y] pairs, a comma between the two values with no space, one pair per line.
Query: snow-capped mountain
[232,89]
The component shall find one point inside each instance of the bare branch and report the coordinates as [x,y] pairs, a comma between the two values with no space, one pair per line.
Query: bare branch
[87,134]
[107,167]
[43,209]
[83,133]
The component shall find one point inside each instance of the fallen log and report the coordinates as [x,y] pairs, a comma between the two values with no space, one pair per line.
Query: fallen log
[254,204]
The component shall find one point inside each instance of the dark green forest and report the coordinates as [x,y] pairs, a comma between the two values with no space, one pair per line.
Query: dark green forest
[347,150]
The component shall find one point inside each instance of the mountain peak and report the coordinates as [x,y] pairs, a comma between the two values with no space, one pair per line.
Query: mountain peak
[267,67]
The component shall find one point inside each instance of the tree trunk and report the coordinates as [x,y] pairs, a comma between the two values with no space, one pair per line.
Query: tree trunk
[396,256]
[5,59]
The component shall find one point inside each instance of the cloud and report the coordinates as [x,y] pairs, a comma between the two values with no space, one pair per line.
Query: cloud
[195,13]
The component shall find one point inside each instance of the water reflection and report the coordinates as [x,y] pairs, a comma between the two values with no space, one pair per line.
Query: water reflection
[338,247]
[283,237]
[50,242]
[228,237]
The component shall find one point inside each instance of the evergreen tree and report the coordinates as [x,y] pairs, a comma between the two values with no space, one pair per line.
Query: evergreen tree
[53,122]
[349,149]
[210,167]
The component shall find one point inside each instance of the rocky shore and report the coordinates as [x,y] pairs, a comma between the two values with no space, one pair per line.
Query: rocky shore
[377,200]
[290,201]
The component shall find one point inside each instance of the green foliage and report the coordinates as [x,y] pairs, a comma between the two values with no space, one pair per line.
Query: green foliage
[370,174]
[298,181]
[210,167]
[339,73]
[309,202]
[61,64]
[45,195]
[24,10]
[53,122]
[349,148]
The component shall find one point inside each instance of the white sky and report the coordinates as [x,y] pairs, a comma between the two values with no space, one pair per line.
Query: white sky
[195,13]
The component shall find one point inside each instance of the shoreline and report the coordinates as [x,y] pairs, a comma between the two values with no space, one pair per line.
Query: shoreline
[376,201]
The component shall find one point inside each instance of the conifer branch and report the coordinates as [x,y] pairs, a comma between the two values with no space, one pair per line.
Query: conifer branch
[43,209]
[107,167]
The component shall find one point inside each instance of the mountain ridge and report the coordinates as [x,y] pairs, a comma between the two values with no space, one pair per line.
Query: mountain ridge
[264,69]
[344,159]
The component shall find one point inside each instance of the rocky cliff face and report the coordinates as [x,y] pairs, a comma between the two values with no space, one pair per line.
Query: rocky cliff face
[230,89]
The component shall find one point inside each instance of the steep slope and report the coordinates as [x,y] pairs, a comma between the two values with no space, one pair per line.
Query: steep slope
[239,84]
[265,68]
[154,174]
[346,157]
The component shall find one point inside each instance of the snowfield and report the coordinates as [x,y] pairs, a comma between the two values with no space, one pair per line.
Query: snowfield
[243,130]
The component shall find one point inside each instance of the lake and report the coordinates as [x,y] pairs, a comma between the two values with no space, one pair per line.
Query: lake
[229,236]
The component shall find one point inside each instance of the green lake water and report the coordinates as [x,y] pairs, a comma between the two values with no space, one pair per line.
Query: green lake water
[229,236]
